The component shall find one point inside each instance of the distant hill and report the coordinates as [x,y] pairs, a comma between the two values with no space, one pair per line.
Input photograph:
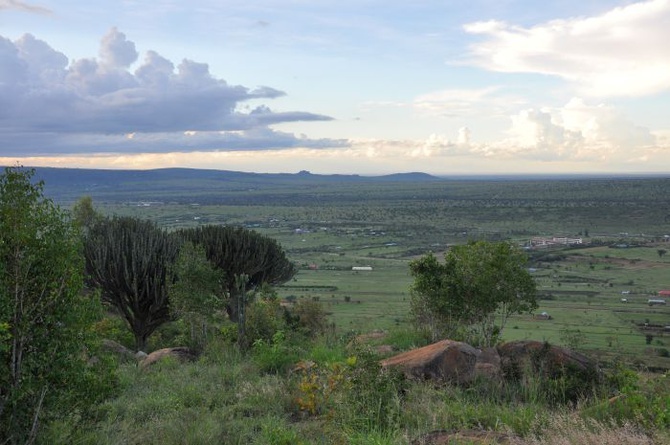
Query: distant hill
[66,185]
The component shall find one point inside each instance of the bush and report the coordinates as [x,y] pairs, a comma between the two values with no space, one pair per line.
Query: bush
[264,319]
[371,398]
[310,318]
[275,356]
[645,403]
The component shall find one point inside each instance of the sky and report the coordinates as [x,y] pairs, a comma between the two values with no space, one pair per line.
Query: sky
[446,87]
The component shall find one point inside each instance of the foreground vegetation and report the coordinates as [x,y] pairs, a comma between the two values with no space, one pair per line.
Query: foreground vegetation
[343,398]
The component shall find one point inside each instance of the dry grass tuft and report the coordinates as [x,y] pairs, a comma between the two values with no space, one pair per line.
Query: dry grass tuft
[570,429]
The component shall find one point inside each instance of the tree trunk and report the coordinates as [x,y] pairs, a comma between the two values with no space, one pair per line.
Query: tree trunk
[140,342]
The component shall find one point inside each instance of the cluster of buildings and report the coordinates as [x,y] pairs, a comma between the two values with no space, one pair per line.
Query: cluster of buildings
[555,241]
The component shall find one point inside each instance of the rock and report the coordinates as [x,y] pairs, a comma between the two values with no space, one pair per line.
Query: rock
[519,357]
[444,361]
[384,349]
[181,353]
[124,354]
[364,339]
[473,437]
[488,364]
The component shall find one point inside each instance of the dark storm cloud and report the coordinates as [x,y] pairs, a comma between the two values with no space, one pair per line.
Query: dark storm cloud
[52,105]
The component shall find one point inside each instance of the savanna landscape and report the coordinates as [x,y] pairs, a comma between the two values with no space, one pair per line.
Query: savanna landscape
[310,371]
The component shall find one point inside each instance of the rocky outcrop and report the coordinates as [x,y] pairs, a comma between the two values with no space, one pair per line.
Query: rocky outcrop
[456,362]
[181,353]
[444,361]
[488,364]
[519,357]
[117,349]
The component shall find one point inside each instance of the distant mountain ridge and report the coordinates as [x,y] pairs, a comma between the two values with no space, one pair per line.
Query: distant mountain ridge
[56,174]
[68,184]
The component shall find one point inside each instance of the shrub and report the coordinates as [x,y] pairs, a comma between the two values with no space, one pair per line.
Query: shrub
[264,319]
[371,398]
[310,318]
[643,403]
[274,356]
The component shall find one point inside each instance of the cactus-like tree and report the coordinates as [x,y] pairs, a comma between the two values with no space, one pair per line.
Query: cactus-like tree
[130,261]
[245,258]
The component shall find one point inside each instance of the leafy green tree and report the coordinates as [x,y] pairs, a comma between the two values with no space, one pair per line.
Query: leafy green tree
[477,287]
[131,262]
[194,292]
[45,320]
[84,214]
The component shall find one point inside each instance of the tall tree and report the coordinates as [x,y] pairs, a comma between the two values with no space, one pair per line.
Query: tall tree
[479,285]
[44,318]
[194,292]
[241,254]
[83,213]
[131,261]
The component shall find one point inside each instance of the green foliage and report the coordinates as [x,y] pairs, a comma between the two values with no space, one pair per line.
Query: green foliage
[275,356]
[193,295]
[479,285]
[318,384]
[644,403]
[219,399]
[373,397]
[356,393]
[225,397]
[45,320]
[265,318]
[84,215]
[572,338]
[114,328]
[235,252]
[309,317]
[196,282]
[131,262]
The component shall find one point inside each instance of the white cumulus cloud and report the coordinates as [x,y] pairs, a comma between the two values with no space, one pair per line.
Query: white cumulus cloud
[577,131]
[622,52]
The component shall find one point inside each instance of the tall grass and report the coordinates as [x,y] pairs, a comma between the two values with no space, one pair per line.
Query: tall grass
[227,397]
[571,429]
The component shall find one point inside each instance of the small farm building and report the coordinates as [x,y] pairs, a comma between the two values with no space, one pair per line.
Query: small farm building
[656,301]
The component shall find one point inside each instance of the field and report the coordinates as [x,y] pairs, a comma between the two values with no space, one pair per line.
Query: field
[328,228]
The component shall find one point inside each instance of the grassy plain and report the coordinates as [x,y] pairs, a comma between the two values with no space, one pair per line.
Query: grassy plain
[328,228]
